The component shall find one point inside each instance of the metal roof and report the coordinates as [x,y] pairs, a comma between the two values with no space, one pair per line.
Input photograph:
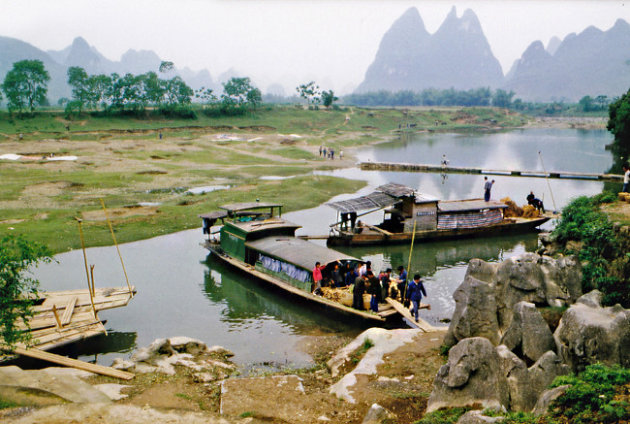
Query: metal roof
[396,190]
[298,252]
[236,207]
[267,224]
[469,205]
[375,200]
[214,215]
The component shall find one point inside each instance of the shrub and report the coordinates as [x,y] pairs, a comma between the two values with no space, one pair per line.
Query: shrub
[591,397]
[443,416]
[582,220]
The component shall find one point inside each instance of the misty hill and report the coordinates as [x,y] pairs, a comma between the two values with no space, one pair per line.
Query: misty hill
[591,63]
[457,55]
[80,53]
[13,50]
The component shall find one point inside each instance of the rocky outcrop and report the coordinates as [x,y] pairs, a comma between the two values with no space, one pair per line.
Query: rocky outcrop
[589,333]
[485,300]
[528,333]
[477,373]
[477,417]
[475,314]
[377,414]
[164,355]
[547,397]
[471,376]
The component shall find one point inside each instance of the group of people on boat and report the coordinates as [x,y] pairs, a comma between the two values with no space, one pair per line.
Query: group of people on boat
[361,280]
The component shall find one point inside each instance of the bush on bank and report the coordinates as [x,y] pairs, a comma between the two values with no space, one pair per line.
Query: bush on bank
[601,248]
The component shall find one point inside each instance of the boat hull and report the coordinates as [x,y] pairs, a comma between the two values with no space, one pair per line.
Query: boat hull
[315,301]
[376,238]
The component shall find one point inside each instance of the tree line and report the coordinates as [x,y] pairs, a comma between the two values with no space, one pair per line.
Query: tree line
[433,97]
[26,86]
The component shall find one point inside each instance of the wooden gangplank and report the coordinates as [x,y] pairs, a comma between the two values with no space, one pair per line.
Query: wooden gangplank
[420,324]
[416,167]
[74,363]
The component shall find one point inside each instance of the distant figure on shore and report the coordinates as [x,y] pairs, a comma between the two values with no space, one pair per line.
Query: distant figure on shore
[487,187]
[340,154]
[626,177]
[537,203]
[444,161]
[321,148]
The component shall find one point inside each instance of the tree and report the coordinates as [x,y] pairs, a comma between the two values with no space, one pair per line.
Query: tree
[328,98]
[177,92]
[619,126]
[236,90]
[166,66]
[502,98]
[17,255]
[586,104]
[309,92]
[79,81]
[26,85]
[205,95]
[99,87]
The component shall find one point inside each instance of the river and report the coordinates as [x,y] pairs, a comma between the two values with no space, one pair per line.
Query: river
[180,292]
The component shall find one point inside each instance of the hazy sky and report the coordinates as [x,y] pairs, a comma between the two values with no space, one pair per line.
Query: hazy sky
[285,41]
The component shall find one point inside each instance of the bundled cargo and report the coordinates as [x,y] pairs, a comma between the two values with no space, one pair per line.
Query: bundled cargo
[513,210]
[530,212]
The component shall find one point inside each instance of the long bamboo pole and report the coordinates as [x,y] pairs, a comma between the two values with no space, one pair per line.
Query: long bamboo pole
[111,229]
[87,272]
[413,237]
[547,178]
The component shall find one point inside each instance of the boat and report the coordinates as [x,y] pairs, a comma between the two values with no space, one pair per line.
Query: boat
[406,212]
[255,239]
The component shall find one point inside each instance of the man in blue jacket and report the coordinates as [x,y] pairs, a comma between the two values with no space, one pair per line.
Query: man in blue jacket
[415,290]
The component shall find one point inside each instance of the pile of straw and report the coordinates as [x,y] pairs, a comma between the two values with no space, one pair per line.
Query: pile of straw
[512,210]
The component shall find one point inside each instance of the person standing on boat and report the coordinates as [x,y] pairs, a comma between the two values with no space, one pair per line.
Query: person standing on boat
[415,290]
[337,279]
[384,276]
[535,202]
[375,288]
[365,268]
[487,186]
[317,279]
[357,292]
[351,275]
[402,281]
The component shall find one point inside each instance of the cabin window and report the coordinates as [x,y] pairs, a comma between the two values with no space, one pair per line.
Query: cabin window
[285,268]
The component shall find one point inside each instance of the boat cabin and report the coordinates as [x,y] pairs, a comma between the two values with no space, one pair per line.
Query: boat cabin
[268,243]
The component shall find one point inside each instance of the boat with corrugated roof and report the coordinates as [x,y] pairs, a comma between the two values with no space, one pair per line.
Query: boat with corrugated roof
[255,239]
[407,212]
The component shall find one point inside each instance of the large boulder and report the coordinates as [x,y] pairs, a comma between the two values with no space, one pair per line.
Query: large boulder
[484,302]
[543,372]
[589,333]
[528,333]
[471,376]
[475,312]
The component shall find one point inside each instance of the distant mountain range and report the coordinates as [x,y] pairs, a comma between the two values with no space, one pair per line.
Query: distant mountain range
[458,55]
[80,53]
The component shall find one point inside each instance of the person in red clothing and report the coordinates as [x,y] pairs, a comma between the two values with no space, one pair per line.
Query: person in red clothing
[317,278]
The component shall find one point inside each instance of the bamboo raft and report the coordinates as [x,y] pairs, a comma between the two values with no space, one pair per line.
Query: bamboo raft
[65,317]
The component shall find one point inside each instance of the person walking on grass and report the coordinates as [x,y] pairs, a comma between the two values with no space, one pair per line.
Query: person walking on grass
[415,290]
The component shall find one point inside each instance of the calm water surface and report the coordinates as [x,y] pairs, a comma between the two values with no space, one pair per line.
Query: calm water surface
[181,292]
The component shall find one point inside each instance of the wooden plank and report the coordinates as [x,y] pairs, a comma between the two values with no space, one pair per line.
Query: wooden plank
[380,230]
[420,324]
[67,314]
[74,363]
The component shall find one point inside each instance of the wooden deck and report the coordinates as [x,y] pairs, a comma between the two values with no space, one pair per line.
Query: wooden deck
[416,167]
[64,317]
